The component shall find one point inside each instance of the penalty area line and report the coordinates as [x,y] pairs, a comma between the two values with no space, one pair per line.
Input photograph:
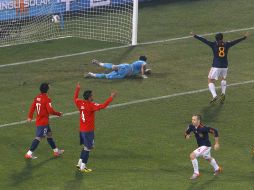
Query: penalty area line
[138,101]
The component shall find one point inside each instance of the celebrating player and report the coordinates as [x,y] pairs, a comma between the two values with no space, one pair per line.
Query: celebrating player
[87,109]
[204,145]
[220,62]
[122,70]
[43,107]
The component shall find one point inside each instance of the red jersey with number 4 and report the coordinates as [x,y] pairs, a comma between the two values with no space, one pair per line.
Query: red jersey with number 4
[87,110]
[43,107]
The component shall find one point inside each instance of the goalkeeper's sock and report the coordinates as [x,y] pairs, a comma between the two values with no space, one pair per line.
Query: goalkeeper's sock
[100,76]
[106,65]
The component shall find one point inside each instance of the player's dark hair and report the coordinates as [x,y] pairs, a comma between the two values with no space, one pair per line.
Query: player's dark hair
[87,94]
[199,117]
[44,87]
[143,58]
[219,36]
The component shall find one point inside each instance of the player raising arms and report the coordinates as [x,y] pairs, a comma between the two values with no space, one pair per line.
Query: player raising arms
[43,107]
[204,145]
[87,109]
[220,62]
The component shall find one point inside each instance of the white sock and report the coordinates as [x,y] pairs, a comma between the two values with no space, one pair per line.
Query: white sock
[82,166]
[29,152]
[223,86]
[55,150]
[101,64]
[212,89]
[195,166]
[79,162]
[214,164]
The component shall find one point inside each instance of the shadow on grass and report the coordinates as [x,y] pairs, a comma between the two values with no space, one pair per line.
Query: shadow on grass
[27,172]
[75,183]
[197,185]
[211,112]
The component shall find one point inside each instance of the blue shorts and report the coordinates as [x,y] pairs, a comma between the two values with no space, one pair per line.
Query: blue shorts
[123,71]
[42,131]
[87,139]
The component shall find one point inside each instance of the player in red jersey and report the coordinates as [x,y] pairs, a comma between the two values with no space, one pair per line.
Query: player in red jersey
[43,107]
[87,109]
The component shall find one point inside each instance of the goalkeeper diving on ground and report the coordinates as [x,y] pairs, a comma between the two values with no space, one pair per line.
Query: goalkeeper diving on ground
[137,68]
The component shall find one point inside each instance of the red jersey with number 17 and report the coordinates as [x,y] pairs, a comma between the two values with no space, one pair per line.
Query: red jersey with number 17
[43,107]
[87,110]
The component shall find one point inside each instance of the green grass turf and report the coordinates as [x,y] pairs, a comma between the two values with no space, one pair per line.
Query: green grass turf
[139,146]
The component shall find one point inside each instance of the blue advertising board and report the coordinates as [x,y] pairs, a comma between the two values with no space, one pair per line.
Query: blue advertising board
[17,9]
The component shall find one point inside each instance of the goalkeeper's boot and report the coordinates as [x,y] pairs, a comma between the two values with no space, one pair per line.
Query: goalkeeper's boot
[95,62]
[194,176]
[27,156]
[217,172]
[58,153]
[214,100]
[222,98]
[86,170]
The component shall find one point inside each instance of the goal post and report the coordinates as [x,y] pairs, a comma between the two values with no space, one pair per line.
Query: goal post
[27,21]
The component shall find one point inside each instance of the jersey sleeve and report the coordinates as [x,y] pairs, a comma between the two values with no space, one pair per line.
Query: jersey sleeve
[234,42]
[31,111]
[213,131]
[207,42]
[187,131]
[50,109]
[96,107]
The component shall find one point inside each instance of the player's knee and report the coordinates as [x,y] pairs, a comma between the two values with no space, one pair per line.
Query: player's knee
[192,156]
[38,138]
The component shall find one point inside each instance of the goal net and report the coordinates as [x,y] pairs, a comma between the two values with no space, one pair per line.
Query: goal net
[26,21]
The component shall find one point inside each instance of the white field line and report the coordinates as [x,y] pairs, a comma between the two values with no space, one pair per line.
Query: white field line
[138,101]
[119,47]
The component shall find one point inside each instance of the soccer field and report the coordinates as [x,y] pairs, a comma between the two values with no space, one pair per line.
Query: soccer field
[140,139]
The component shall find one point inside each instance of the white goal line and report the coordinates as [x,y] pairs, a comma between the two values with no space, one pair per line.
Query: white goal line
[138,101]
[118,47]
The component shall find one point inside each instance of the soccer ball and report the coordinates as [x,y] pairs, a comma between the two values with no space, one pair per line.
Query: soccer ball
[55,18]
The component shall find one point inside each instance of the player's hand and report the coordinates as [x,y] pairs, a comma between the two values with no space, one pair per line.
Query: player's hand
[144,76]
[148,71]
[216,146]
[78,85]
[192,33]
[187,136]
[61,114]
[113,94]
[247,34]
[29,120]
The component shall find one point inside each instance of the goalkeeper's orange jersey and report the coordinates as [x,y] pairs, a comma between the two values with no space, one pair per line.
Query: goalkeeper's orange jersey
[87,111]
[43,107]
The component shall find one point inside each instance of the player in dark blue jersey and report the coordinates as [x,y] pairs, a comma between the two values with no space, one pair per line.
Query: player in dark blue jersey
[201,133]
[220,62]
